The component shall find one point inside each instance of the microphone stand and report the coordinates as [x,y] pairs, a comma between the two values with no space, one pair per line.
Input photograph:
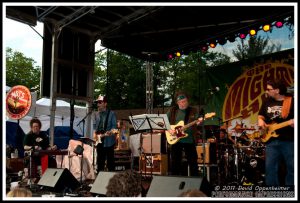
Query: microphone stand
[83,121]
[203,141]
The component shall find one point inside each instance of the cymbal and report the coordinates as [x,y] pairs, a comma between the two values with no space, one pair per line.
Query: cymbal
[211,127]
[232,119]
[241,129]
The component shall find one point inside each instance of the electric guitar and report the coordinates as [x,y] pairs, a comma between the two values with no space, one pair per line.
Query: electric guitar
[270,130]
[180,127]
[100,135]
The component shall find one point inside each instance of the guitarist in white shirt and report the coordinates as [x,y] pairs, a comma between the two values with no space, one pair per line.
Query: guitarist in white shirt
[104,123]
[183,112]
[278,110]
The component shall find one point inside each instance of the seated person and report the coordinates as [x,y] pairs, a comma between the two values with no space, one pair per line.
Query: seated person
[37,140]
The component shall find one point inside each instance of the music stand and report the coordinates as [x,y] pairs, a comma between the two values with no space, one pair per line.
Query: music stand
[150,122]
[89,141]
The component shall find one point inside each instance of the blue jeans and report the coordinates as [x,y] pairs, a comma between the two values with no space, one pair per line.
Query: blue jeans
[277,151]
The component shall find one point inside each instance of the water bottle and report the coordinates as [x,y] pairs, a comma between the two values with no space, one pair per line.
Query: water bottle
[16,153]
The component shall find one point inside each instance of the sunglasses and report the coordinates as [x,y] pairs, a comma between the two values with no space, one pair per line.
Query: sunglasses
[99,102]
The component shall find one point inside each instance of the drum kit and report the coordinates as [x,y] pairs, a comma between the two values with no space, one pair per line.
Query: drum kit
[240,157]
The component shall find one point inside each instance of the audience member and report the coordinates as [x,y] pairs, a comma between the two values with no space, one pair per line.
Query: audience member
[19,192]
[193,193]
[125,184]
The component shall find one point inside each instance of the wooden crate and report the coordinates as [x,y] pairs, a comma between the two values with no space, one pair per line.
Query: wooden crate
[159,163]
[201,154]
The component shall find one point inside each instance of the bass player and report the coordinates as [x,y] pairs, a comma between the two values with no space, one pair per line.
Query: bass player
[277,109]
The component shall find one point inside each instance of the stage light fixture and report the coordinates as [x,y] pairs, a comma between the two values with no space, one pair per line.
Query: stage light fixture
[231,38]
[242,35]
[178,54]
[204,48]
[212,44]
[266,27]
[222,41]
[279,24]
[170,56]
[252,32]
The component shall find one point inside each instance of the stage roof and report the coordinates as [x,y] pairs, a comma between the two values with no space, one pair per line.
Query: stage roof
[152,32]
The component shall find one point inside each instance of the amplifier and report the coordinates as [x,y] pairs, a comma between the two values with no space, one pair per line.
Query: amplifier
[156,143]
[200,153]
[159,163]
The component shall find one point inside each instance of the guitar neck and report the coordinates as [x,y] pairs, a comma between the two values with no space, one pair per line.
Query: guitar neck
[279,125]
[208,115]
[189,124]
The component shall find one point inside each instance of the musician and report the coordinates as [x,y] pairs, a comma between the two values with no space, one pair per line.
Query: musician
[37,140]
[277,108]
[104,123]
[183,112]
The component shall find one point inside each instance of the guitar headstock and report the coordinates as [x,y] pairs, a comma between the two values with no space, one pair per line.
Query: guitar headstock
[209,115]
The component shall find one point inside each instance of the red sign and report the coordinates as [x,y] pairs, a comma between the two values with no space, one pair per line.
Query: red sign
[18,102]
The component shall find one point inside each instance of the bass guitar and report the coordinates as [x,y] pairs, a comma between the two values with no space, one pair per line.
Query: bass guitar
[100,135]
[270,130]
[180,127]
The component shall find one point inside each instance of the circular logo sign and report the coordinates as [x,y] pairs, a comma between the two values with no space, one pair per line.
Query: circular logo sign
[18,102]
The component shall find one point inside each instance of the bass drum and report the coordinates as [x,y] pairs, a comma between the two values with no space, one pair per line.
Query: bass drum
[253,169]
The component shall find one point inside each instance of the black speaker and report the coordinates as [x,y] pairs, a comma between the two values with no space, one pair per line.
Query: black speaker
[173,186]
[74,63]
[59,180]
[99,185]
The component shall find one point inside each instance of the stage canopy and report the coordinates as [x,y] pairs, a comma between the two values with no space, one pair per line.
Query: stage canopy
[153,32]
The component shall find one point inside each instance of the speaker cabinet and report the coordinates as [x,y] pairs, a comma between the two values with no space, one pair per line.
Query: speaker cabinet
[200,153]
[59,179]
[156,143]
[100,183]
[73,64]
[173,186]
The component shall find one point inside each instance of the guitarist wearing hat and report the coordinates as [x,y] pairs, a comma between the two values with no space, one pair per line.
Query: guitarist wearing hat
[104,134]
[183,112]
[276,119]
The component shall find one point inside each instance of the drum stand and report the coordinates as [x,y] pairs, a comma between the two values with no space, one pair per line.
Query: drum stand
[30,169]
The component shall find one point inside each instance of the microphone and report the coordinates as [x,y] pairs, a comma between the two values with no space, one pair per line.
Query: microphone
[214,90]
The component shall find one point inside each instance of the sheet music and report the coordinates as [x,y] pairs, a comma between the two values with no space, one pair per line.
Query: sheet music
[156,122]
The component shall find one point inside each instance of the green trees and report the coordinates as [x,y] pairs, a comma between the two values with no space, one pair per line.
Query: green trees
[21,70]
[256,46]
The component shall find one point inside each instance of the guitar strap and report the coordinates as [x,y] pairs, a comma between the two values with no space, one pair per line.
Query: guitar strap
[286,107]
[173,115]
[106,119]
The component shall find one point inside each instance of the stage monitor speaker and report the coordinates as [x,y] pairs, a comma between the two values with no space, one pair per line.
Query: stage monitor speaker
[173,186]
[100,183]
[59,180]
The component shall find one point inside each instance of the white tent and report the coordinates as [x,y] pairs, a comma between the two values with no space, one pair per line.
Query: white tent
[41,110]
[63,109]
